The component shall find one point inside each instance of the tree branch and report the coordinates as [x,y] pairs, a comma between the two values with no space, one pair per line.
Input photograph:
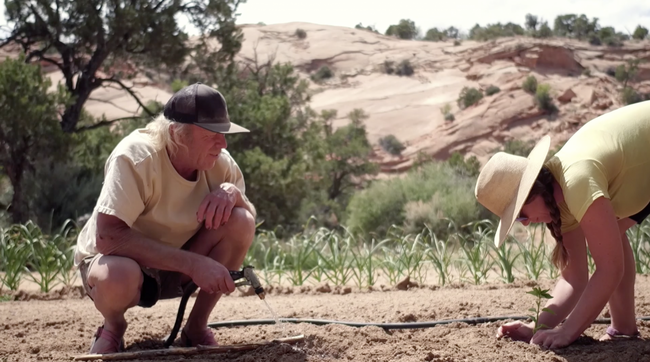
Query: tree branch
[104,123]
[128,89]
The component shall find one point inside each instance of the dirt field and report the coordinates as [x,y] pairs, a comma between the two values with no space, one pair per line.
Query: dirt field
[58,326]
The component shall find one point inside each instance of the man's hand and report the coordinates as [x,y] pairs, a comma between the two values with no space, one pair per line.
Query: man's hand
[217,205]
[212,277]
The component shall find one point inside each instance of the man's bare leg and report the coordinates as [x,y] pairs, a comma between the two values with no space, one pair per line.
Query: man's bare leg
[115,283]
[228,245]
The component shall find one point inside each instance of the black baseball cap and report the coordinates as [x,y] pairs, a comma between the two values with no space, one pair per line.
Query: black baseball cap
[203,106]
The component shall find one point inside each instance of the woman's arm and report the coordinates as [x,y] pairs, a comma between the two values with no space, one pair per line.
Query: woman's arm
[572,282]
[601,229]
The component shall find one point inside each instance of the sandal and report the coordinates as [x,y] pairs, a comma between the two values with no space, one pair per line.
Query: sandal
[615,334]
[117,344]
[206,340]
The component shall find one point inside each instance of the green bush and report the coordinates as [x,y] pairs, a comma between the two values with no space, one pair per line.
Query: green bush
[543,98]
[178,84]
[492,90]
[468,97]
[324,72]
[530,84]
[449,117]
[630,96]
[301,33]
[389,67]
[518,147]
[405,68]
[391,145]
[425,195]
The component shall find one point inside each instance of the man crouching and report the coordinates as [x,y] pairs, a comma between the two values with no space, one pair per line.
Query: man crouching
[172,210]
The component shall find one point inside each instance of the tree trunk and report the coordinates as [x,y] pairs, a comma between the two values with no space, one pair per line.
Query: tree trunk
[18,209]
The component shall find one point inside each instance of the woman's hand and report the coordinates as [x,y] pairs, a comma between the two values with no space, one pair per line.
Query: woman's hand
[552,338]
[517,331]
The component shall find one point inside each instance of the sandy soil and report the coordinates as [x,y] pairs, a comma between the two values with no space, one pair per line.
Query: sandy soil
[59,325]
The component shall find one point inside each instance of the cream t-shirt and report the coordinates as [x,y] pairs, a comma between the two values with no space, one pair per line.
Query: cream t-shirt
[609,156]
[143,189]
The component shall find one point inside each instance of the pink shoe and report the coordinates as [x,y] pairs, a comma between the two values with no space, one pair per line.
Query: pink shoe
[206,340]
[116,344]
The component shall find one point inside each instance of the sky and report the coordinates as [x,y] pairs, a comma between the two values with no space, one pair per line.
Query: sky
[623,15]
[426,14]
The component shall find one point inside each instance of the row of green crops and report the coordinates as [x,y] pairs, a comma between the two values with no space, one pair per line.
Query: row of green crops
[319,255]
[47,260]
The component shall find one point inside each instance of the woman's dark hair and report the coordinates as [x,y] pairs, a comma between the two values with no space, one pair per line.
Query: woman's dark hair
[543,187]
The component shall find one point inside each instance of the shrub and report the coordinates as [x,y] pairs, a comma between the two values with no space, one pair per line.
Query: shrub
[391,145]
[492,90]
[518,147]
[449,117]
[178,84]
[456,43]
[586,72]
[468,97]
[301,33]
[630,96]
[405,68]
[389,67]
[530,84]
[543,98]
[324,72]
[424,195]
[469,167]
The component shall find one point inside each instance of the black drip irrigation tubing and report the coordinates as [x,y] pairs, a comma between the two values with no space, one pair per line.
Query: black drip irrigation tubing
[386,326]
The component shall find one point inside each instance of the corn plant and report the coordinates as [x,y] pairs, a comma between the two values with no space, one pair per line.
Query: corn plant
[334,258]
[45,256]
[476,260]
[301,252]
[440,256]
[533,256]
[390,265]
[14,255]
[364,265]
[638,237]
[411,256]
[505,259]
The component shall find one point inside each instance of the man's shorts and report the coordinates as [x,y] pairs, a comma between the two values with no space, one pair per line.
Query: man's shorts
[156,284]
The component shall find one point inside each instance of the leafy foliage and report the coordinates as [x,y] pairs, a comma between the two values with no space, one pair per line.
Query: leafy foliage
[640,33]
[530,84]
[492,90]
[391,145]
[118,38]
[405,29]
[469,97]
[29,127]
[301,33]
[428,194]
[543,98]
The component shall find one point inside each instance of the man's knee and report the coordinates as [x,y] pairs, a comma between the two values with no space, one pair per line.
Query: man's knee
[242,222]
[115,276]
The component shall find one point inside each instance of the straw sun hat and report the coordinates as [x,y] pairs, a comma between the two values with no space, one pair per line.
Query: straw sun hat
[505,181]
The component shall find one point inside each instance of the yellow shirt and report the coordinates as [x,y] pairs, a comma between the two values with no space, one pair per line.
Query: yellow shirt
[143,189]
[609,156]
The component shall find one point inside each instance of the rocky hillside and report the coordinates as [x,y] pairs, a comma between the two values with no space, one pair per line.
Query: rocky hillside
[409,107]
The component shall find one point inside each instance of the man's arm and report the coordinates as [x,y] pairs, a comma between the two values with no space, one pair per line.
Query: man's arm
[115,237]
[243,201]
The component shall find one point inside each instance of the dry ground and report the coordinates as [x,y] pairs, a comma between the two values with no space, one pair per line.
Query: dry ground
[59,325]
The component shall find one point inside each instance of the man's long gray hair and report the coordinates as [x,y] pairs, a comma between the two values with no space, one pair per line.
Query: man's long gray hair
[160,131]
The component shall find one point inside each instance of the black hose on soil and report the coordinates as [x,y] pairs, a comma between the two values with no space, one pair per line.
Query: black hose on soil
[386,326]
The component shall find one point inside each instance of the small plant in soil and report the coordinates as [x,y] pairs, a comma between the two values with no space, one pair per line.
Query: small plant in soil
[540,294]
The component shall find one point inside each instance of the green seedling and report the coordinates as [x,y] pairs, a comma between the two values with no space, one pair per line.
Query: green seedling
[540,294]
